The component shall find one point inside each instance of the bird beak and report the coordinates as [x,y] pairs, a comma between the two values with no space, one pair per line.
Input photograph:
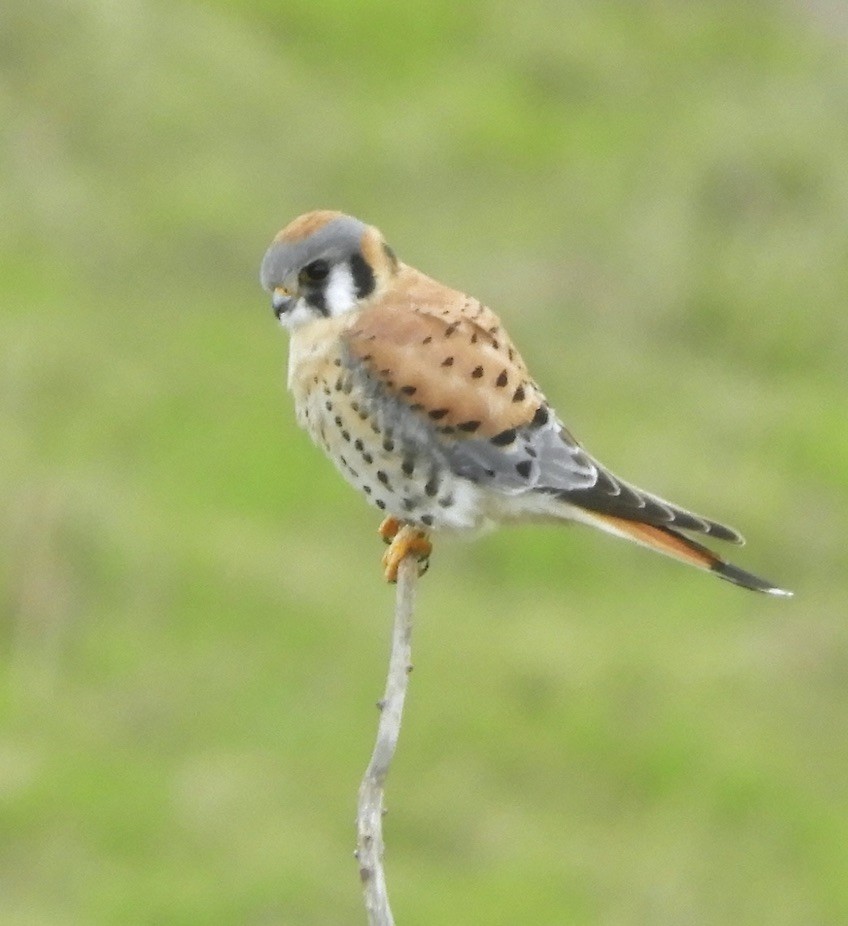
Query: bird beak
[282,298]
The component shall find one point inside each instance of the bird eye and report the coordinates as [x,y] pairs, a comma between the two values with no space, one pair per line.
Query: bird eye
[315,272]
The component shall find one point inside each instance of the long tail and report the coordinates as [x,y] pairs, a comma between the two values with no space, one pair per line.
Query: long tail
[678,546]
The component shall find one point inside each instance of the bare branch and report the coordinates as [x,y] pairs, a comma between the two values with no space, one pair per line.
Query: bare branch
[369,818]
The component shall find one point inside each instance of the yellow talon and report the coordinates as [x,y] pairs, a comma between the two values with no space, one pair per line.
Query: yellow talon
[404,540]
[388,529]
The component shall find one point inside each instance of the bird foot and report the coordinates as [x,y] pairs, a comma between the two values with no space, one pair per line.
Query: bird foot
[388,529]
[403,540]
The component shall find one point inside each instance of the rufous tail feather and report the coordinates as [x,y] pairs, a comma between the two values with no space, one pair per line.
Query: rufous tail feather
[680,547]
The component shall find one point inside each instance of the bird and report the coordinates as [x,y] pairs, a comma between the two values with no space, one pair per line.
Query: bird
[417,394]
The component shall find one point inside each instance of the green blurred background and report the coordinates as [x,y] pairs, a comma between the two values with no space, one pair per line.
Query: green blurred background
[194,631]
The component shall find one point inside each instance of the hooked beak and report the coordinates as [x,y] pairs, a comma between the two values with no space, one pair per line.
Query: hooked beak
[283,296]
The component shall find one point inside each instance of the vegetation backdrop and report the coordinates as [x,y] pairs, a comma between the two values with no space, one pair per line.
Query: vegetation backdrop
[194,631]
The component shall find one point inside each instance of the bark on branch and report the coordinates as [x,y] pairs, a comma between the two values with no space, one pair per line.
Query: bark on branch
[369,817]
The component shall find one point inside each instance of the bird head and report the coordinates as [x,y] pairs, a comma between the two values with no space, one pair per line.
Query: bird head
[324,264]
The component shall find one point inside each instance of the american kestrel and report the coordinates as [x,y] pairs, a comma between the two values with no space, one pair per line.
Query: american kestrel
[417,394]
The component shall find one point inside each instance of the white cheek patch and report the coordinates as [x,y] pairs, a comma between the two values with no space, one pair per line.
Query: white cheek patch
[340,292]
[301,314]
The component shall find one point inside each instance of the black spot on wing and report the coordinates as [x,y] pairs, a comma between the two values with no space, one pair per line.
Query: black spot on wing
[504,438]
[524,468]
[540,418]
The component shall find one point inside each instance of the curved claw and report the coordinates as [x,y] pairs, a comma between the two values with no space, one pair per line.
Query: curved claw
[405,541]
[389,528]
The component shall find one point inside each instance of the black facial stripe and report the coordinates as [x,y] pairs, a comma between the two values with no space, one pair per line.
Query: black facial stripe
[317,301]
[363,275]
[316,271]
[387,250]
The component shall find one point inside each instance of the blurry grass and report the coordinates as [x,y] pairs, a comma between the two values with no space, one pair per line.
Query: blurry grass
[654,197]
